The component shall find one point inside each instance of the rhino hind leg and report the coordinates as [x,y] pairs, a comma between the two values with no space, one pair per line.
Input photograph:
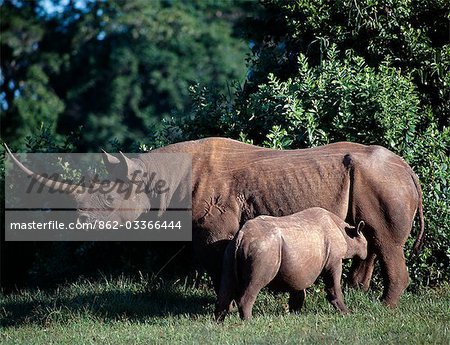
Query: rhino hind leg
[296,300]
[255,281]
[395,274]
[388,244]
[387,200]
[361,272]
[247,300]
[332,280]
[256,274]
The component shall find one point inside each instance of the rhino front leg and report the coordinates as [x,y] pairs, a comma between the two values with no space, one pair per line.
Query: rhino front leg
[223,307]
[332,280]
[228,286]
[296,300]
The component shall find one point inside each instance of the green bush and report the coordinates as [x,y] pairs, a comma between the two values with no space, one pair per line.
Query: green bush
[432,163]
[413,34]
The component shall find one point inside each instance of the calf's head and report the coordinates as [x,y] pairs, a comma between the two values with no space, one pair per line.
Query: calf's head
[356,242]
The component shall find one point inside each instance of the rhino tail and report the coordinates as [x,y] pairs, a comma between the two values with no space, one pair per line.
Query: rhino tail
[418,243]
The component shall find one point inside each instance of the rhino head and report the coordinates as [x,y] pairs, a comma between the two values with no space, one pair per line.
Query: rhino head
[122,197]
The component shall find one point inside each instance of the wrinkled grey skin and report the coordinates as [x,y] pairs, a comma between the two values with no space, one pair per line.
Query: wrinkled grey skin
[233,182]
[289,253]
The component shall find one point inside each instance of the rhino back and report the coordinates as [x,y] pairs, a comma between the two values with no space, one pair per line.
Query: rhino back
[259,237]
[310,244]
[246,181]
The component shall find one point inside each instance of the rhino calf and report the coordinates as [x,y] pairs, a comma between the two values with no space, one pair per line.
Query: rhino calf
[288,253]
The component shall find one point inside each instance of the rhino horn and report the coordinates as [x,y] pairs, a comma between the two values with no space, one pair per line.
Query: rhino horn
[52,184]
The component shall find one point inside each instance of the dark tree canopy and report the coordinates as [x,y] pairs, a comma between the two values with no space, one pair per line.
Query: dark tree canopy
[114,68]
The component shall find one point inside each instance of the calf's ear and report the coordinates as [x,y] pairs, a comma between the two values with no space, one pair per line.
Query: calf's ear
[360,226]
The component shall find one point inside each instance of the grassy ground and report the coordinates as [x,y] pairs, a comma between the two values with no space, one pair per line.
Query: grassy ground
[120,311]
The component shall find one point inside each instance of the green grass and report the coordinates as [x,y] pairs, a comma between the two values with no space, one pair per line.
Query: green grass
[121,311]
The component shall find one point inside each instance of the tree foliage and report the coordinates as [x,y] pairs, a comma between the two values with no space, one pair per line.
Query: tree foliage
[114,68]
[80,75]
[412,35]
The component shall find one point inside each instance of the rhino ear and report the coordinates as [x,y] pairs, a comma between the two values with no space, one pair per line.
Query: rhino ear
[128,167]
[122,167]
[110,161]
[359,228]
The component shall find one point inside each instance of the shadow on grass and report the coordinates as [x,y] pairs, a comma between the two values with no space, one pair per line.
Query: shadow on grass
[135,306]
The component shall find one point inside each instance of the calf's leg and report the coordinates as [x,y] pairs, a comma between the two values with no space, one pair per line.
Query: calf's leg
[247,300]
[361,272]
[256,273]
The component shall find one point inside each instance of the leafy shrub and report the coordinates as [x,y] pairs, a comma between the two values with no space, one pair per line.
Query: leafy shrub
[432,163]
[413,34]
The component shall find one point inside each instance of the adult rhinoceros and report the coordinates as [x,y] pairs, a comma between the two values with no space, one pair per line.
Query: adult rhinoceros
[233,182]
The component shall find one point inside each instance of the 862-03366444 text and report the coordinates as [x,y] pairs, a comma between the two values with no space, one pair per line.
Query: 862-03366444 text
[97,225]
